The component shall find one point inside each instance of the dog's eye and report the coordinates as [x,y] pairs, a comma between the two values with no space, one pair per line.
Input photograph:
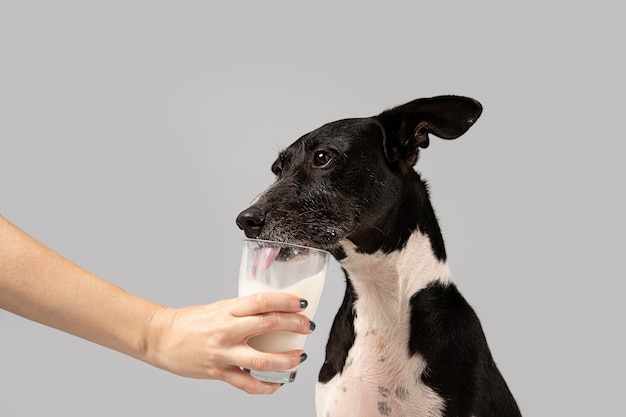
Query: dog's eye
[321,159]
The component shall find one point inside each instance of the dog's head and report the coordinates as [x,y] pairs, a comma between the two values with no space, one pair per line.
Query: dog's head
[354,179]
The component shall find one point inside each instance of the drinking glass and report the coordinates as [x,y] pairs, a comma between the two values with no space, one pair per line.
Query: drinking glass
[268,266]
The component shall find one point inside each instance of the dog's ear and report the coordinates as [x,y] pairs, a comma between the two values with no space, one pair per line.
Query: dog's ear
[407,126]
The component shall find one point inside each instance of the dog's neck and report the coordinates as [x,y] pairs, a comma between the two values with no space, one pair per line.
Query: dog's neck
[386,281]
[411,213]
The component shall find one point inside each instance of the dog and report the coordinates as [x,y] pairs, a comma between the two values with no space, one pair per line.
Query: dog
[404,341]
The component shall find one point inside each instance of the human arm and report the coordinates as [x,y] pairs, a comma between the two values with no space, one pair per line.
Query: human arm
[208,341]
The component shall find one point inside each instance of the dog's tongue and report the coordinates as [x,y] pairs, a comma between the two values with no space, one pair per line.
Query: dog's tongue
[263,258]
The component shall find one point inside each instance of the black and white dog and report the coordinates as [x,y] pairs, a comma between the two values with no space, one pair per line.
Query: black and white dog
[404,342]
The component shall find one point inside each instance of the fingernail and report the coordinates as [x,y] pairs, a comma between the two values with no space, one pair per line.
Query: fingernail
[303,357]
[304,303]
[311,325]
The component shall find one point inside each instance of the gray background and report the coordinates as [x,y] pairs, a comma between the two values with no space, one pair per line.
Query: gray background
[132,134]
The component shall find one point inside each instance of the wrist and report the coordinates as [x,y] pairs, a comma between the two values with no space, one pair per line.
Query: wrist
[159,327]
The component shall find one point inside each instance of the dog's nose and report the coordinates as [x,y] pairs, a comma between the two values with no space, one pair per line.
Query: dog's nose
[251,221]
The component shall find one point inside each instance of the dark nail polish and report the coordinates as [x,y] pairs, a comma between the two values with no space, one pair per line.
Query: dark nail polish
[311,325]
[303,357]
[304,303]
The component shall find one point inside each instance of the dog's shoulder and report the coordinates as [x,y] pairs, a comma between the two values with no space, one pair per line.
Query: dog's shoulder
[447,333]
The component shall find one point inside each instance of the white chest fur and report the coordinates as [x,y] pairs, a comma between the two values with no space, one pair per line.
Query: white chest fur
[379,377]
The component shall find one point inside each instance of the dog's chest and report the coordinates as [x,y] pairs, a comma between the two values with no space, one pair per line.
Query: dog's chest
[380,377]
[378,381]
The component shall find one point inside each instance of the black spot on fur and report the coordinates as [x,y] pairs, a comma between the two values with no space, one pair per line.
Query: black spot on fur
[383,408]
[446,332]
[402,393]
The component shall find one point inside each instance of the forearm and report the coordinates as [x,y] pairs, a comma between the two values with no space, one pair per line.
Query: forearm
[39,284]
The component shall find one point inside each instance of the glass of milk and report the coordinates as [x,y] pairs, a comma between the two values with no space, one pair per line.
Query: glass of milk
[280,267]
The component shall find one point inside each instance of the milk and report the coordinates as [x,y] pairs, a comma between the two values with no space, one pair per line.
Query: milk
[309,289]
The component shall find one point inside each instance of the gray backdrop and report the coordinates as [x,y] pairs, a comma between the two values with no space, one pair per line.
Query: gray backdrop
[132,133]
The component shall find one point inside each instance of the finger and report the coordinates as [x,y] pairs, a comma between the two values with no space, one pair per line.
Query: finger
[268,362]
[250,326]
[267,302]
[245,382]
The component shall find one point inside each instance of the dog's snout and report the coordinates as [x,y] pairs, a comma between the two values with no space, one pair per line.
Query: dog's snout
[251,221]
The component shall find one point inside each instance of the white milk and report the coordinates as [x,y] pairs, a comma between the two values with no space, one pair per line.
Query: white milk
[309,289]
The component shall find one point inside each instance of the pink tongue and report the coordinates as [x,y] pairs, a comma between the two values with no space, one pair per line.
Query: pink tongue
[263,258]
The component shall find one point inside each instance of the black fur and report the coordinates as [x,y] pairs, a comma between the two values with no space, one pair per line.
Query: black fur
[341,337]
[447,333]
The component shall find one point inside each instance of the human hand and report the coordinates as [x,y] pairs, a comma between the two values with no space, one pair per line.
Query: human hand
[210,341]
